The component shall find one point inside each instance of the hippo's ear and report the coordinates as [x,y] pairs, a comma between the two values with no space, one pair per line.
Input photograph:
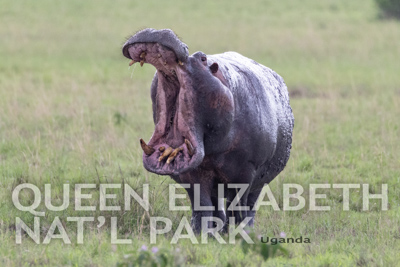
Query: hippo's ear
[214,67]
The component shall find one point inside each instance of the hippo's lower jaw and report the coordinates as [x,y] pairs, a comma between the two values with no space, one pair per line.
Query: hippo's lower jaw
[165,160]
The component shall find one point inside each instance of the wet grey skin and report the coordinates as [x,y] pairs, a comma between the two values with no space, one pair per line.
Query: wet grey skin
[219,119]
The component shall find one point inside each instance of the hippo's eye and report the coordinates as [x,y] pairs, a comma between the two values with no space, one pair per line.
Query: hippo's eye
[203,58]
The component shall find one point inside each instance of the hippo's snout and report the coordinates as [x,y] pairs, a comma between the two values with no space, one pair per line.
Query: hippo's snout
[166,38]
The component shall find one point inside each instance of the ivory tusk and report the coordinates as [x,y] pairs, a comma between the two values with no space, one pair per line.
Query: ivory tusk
[189,147]
[148,150]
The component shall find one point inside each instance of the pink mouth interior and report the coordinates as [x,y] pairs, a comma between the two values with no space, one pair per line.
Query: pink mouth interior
[171,130]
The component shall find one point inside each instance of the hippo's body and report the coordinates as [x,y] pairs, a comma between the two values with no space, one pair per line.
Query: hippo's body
[219,119]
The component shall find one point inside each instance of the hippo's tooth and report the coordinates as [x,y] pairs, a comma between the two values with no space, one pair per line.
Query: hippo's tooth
[180,62]
[148,150]
[142,56]
[161,148]
[189,147]
[132,62]
[174,154]
[166,153]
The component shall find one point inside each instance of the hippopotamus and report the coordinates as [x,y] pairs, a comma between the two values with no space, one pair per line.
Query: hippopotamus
[219,119]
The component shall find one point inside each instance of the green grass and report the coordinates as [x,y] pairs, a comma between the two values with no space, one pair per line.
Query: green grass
[71,111]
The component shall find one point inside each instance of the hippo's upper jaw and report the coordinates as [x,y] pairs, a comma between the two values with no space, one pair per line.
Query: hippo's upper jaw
[166,38]
[176,145]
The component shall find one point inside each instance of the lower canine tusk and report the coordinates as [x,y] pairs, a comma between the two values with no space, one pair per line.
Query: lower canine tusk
[148,150]
[173,155]
[141,63]
[132,62]
[189,147]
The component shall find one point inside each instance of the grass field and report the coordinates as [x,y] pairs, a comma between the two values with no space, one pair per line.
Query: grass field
[71,111]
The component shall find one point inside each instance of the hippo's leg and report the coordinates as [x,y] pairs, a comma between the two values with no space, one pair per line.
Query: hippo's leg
[200,211]
[251,202]
[199,192]
[238,210]
[219,213]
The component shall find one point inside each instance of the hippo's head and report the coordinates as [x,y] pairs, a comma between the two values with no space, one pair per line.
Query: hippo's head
[192,107]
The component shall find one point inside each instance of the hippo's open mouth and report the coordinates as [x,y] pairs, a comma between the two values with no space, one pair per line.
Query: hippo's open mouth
[176,145]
